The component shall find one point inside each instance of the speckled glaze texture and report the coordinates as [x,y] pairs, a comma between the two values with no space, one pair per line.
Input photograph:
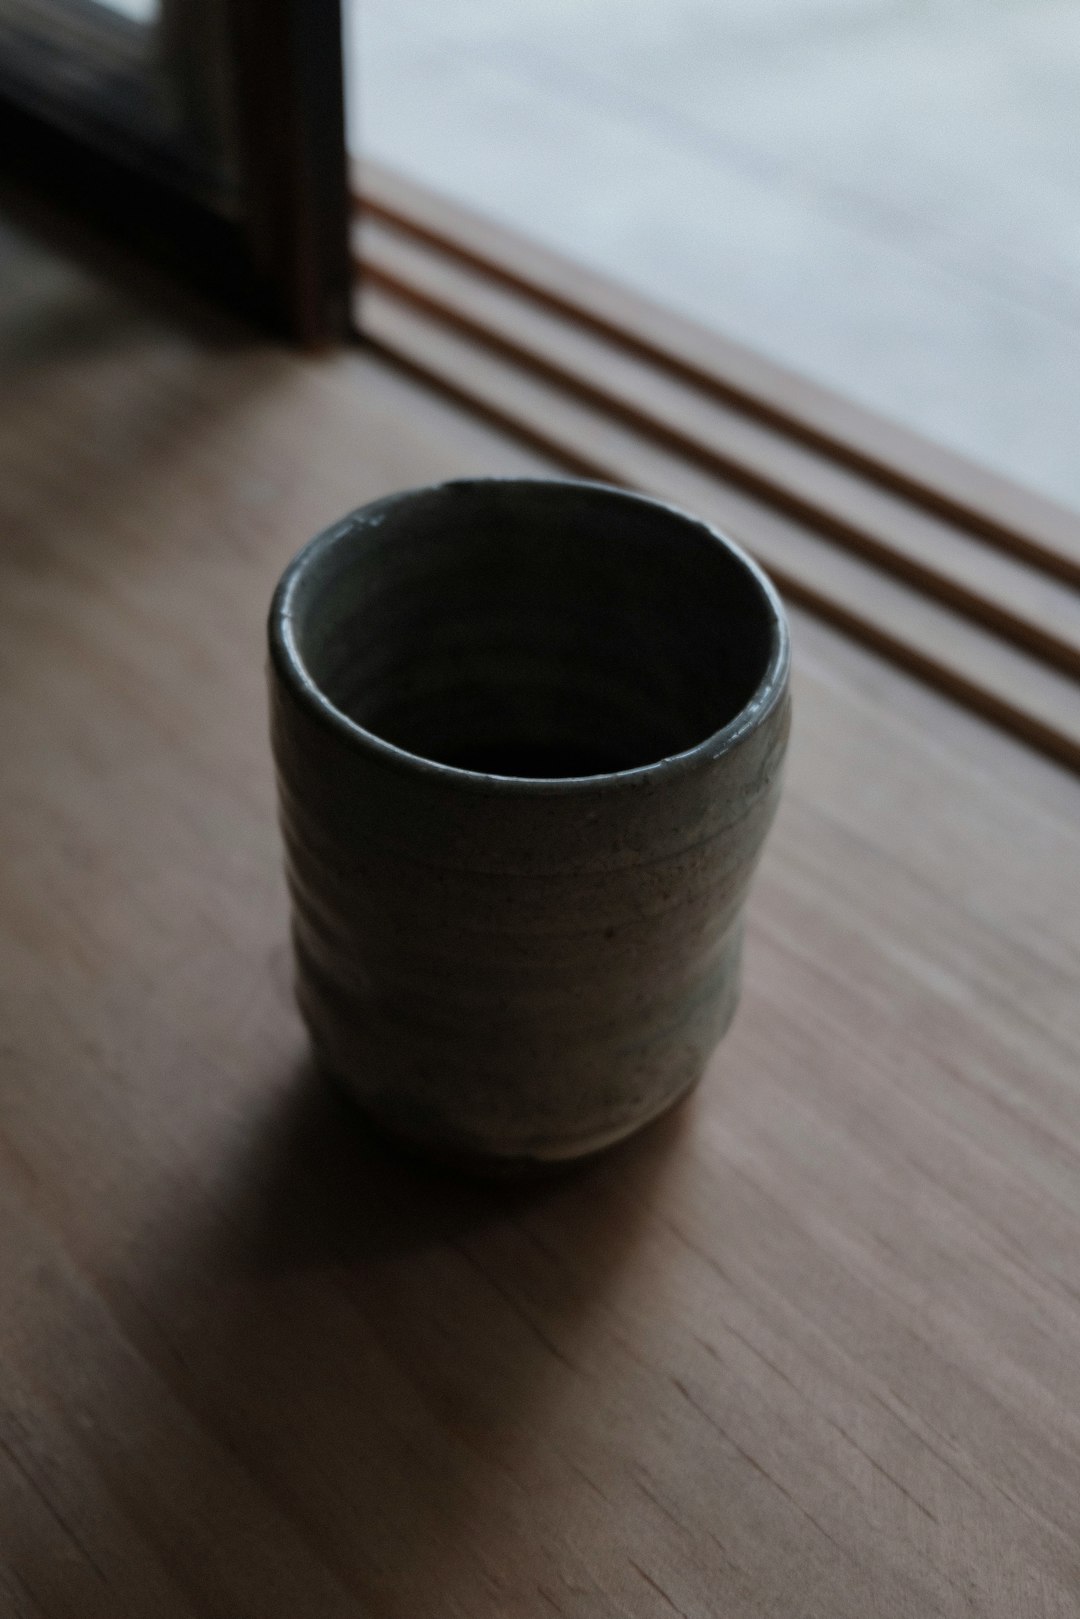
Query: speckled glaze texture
[528,739]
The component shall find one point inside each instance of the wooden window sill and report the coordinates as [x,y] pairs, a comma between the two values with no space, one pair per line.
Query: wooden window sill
[808,1346]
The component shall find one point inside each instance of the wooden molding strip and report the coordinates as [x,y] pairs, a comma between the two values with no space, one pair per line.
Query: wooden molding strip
[1012,687]
[984,609]
[925,475]
[996,589]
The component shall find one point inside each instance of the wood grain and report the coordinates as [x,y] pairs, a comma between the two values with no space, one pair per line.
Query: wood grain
[809,1348]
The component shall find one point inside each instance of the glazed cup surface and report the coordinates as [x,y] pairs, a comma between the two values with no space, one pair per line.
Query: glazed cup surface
[528,738]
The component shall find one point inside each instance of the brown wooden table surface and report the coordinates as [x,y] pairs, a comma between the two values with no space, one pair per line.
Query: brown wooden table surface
[810,1347]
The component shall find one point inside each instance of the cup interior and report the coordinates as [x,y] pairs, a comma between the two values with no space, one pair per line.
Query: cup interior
[532,629]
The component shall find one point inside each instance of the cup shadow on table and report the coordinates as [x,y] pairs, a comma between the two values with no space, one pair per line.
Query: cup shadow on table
[373,1347]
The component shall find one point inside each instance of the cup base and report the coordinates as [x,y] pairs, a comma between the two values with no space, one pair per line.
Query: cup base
[494,1166]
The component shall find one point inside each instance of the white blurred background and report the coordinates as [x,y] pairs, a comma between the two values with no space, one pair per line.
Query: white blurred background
[884,194]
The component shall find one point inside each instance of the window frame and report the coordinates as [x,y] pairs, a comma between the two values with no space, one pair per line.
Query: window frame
[279,251]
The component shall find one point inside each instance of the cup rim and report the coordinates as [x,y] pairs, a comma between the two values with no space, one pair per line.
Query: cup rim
[289,665]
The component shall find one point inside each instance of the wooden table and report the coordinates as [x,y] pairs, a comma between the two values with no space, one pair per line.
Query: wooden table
[810,1347]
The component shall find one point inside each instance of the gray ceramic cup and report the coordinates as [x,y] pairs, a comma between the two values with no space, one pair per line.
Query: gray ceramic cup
[528,739]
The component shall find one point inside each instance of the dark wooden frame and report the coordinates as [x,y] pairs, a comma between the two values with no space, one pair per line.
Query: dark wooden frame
[281,256]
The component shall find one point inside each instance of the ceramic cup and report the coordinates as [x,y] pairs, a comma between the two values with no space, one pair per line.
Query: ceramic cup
[528,738]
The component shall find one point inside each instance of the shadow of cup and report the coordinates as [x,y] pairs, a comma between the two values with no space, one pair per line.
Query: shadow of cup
[356,1365]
